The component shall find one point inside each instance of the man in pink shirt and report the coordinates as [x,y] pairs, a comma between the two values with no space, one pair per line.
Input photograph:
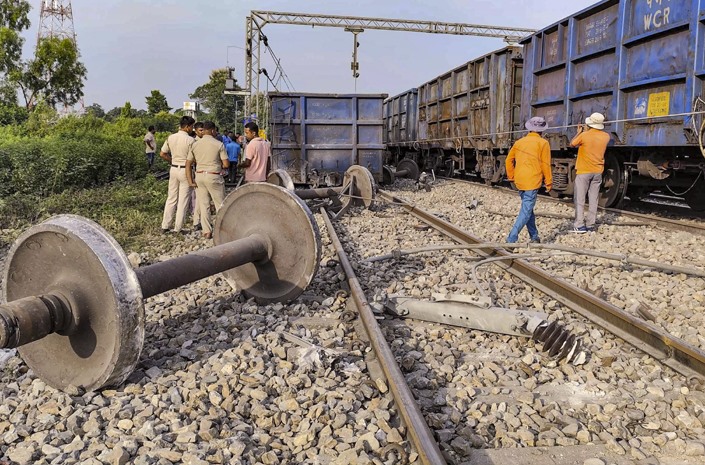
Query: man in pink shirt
[256,155]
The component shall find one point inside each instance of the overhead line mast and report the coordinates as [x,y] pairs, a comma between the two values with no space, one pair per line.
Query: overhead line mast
[258,19]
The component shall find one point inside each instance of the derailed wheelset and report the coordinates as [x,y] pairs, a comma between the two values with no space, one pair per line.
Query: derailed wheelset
[75,306]
[359,189]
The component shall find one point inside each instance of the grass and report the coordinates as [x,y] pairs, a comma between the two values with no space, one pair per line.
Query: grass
[130,211]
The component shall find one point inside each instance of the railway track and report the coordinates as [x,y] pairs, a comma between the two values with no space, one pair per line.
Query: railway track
[669,351]
[693,225]
[223,379]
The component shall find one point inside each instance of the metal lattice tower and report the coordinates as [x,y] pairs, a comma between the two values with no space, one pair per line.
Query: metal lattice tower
[56,20]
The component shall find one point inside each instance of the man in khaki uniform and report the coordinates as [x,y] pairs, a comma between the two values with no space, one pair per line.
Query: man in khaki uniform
[211,159]
[195,209]
[175,150]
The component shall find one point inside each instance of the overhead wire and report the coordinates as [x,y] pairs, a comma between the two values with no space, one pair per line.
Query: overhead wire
[277,62]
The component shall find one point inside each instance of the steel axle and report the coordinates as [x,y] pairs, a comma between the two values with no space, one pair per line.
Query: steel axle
[75,306]
[33,318]
[407,168]
[358,188]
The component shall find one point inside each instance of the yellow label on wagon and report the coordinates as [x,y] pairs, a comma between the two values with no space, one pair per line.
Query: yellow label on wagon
[659,104]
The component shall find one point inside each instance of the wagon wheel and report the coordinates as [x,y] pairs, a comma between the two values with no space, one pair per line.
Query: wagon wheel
[613,186]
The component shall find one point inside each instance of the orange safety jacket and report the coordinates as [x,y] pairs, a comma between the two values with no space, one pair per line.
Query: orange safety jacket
[532,156]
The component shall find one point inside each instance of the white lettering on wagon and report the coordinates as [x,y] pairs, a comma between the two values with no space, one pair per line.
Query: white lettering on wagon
[597,30]
[658,14]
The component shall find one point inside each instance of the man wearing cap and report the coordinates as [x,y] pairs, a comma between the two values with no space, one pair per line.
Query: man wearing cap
[174,151]
[592,144]
[529,165]
[211,159]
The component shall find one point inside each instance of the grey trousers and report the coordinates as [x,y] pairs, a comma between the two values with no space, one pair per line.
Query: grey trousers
[586,184]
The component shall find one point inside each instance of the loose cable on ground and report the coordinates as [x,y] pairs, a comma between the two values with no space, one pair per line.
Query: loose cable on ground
[692,271]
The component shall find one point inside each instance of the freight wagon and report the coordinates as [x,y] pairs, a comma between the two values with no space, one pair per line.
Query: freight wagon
[642,64]
[466,118]
[317,137]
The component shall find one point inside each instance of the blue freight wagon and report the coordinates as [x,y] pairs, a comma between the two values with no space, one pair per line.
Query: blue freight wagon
[317,137]
[400,114]
[642,64]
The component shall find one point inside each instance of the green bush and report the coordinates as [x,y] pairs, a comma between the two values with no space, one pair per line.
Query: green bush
[51,165]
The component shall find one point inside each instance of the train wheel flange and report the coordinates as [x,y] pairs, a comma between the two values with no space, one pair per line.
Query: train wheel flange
[294,241]
[77,259]
[281,178]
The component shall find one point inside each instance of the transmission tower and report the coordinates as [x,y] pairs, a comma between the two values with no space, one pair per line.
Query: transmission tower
[56,21]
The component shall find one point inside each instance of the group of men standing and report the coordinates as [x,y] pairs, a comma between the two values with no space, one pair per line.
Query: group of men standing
[529,166]
[209,158]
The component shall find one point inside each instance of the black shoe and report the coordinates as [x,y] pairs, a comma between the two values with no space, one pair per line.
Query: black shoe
[166,231]
[535,241]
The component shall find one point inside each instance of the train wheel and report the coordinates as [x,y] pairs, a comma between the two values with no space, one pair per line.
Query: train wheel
[695,197]
[612,190]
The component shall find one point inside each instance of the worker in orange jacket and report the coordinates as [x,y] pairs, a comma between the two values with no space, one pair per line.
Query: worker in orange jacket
[528,166]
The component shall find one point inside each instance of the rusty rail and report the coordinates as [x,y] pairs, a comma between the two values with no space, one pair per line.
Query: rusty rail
[669,350]
[667,223]
[421,435]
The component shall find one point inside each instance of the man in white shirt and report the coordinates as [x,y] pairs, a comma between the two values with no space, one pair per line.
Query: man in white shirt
[150,146]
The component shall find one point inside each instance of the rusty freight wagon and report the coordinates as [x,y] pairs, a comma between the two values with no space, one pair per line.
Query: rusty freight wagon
[467,117]
[642,64]
[317,137]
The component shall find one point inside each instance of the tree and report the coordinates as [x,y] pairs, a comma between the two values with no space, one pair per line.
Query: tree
[157,103]
[220,107]
[13,20]
[127,111]
[112,115]
[95,110]
[54,75]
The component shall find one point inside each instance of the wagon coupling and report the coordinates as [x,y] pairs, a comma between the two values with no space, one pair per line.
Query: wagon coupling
[76,308]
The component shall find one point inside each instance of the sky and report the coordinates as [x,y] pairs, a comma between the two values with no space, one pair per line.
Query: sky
[131,47]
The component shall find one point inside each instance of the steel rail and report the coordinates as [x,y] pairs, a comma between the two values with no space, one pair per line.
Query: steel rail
[667,349]
[668,223]
[421,435]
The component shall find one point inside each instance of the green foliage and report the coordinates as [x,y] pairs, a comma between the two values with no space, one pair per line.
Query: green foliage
[162,122]
[42,120]
[130,211]
[13,20]
[126,127]
[112,115]
[54,164]
[127,111]
[156,103]
[54,75]
[95,110]
[220,107]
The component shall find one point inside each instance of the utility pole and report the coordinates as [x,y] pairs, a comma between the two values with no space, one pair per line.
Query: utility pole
[355,66]
[257,20]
